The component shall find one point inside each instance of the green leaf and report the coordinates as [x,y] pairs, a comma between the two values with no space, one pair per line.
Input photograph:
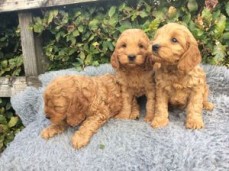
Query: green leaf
[75,33]
[13,121]
[226,36]
[227,8]
[219,53]
[82,55]
[101,146]
[80,28]
[154,24]
[192,5]
[220,25]
[112,11]
[143,14]
[207,16]
[3,120]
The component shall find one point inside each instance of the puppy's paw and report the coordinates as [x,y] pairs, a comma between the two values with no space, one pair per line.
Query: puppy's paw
[134,115]
[149,117]
[79,141]
[159,122]
[208,106]
[193,123]
[48,133]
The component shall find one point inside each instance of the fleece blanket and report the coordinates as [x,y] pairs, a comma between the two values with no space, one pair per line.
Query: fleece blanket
[123,144]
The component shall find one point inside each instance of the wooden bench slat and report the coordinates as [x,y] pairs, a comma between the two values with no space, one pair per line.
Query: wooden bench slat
[13,85]
[16,5]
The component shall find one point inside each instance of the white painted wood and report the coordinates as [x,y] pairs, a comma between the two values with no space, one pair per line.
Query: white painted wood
[11,86]
[28,45]
[16,5]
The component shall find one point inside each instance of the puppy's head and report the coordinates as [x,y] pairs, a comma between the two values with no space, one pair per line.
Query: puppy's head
[131,49]
[174,44]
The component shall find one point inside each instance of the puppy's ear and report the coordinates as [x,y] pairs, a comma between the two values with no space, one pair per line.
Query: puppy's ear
[190,58]
[148,61]
[114,60]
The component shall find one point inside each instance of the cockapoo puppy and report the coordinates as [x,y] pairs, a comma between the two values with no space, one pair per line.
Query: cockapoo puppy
[180,81]
[134,71]
[81,100]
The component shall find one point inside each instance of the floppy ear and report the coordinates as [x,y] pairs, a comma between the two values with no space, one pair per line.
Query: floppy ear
[190,58]
[114,60]
[148,61]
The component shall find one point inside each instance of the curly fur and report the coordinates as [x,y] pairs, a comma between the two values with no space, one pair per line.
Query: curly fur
[75,100]
[134,73]
[180,81]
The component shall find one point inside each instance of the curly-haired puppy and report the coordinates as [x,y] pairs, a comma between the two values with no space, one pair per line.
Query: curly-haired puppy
[84,100]
[134,72]
[179,80]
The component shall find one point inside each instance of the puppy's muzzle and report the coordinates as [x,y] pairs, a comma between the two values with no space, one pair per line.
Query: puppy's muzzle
[131,57]
[155,48]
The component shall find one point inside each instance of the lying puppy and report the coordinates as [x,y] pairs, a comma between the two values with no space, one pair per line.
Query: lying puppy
[81,100]
[180,80]
[134,73]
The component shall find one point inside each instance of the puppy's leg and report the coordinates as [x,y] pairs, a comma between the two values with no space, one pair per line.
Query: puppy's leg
[126,108]
[135,111]
[161,109]
[53,129]
[206,104]
[90,126]
[194,118]
[150,94]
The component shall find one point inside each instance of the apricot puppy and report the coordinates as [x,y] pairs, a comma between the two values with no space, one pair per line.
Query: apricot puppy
[180,80]
[81,100]
[134,71]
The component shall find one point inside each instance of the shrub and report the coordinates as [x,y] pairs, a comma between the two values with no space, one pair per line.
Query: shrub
[85,35]
[11,64]
[10,124]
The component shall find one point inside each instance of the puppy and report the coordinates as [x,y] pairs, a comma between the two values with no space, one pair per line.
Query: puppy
[134,73]
[81,100]
[180,80]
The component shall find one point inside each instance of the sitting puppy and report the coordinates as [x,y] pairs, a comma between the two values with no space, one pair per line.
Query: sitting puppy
[74,100]
[179,80]
[134,73]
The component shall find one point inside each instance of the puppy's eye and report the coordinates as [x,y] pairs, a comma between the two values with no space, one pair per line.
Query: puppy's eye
[123,45]
[174,40]
[141,46]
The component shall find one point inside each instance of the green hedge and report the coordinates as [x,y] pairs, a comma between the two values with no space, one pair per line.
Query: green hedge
[78,36]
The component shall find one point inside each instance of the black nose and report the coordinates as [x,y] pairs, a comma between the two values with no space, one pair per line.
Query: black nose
[131,57]
[47,117]
[155,47]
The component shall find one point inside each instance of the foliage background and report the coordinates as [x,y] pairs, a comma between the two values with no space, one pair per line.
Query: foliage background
[85,34]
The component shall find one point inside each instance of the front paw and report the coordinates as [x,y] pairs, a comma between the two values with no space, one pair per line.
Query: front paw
[134,115]
[194,123]
[149,117]
[79,141]
[48,133]
[159,122]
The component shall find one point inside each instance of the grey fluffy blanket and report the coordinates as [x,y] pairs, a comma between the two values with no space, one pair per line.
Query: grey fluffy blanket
[123,144]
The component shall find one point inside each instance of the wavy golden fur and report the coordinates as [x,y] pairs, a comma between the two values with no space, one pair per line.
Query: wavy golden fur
[134,72]
[180,81]
[81,100]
